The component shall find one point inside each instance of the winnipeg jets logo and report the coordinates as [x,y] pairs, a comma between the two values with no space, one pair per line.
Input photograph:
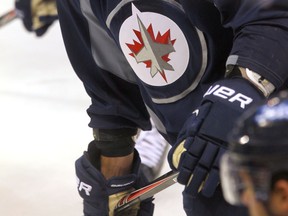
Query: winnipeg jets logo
[154,52]
[155,47]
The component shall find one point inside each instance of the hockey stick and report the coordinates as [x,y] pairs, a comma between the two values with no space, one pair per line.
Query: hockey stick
[148,191]
[7,17]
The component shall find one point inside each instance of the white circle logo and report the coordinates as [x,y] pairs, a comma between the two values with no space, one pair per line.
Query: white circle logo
[155,47]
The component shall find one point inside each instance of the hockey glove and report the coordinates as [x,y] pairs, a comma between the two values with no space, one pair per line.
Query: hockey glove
[37,15]
[202,140]
[100,195]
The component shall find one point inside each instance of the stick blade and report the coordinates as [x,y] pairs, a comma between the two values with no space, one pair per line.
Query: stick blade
[147,191]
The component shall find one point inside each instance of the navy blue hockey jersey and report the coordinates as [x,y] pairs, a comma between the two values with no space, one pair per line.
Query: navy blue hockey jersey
[141,58]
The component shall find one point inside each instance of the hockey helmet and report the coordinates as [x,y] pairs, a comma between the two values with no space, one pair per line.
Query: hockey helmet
[258,148]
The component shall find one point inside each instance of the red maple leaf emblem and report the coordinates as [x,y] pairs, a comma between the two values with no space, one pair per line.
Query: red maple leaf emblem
[160,38]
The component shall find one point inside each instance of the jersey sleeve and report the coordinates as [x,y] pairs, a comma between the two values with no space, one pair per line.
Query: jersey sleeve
[107,77]
[260,36]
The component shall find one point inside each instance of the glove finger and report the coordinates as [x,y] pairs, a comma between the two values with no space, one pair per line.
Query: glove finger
[27,24]
[41,31]
[218,158]
[48,19]
[194,185]
[189,159]
[211,183]
[213,179]
[195,146]
[184,175]
[201,171]
[209,155]
[187,165]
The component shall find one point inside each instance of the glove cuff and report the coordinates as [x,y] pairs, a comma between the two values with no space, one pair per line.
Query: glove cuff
[236,93]
[262,84]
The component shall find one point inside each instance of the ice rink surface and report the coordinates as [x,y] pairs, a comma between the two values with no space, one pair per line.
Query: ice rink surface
[44,127]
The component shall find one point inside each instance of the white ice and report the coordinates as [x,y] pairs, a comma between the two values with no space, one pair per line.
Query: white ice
[43,127]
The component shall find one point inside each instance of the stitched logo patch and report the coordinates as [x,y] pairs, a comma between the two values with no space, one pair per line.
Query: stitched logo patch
[155,47]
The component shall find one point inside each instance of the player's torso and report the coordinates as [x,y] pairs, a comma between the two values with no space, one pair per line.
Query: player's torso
[164,48]
[171,52]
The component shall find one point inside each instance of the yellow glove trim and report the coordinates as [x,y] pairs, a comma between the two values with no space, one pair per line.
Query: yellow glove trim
[260,82]
[42,8]
[177,154]
[114,199]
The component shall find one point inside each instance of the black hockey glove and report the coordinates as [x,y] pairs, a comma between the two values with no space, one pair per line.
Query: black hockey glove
[37,15]
[202,140]
[100,196]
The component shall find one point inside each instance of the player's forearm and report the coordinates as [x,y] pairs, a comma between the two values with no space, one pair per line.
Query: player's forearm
[260,41]
[116,166]
[117,150]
